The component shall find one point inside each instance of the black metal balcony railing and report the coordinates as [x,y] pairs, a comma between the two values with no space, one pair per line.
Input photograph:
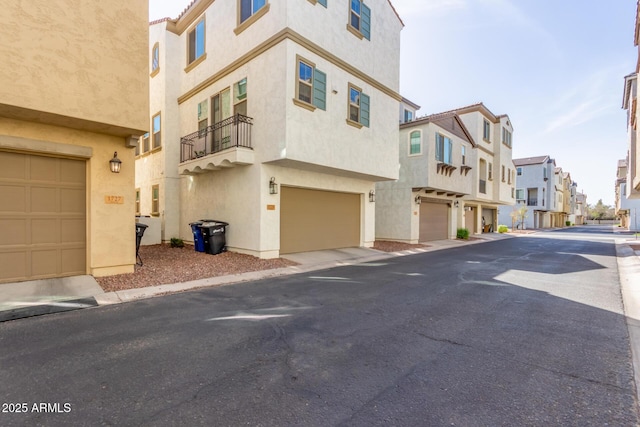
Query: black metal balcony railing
[234,131]
[532,202]
[483,186]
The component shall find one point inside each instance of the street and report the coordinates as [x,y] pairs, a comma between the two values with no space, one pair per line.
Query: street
[521,331]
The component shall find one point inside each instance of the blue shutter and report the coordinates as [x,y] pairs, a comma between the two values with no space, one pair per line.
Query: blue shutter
[320,89]
[364,109]
[323,2]
[365,16]
[439,147]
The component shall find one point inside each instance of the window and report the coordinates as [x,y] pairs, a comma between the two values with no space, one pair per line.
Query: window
[513,191]
[444,148]
[155,200]
[519,171]
[360,19]
[490,177]
[408,116]
[415,143]
[196,42]
[203,115]
[145,142]
[157,134]
[249,7]
[358,107]
[155,59]
[520,194]
[464,155]
[137,201]
[502,174]
[506,137]
[486,130]
[138,146]
[311,85]
[240,97]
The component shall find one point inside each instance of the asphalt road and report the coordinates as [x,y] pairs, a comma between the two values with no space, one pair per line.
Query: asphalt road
[523,331]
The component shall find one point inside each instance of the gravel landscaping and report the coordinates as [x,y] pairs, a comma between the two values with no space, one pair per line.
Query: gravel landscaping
[164,265]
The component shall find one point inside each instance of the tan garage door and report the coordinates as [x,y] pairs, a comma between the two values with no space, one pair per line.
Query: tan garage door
[42,217]
[312,220]
[434,221]
[470,220]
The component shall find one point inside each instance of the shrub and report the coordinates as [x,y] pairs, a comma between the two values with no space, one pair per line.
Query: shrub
[502,228]
[567,223]
[462,233]
[176,243]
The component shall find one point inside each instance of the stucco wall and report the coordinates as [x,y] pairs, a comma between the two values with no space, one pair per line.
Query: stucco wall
[82,60]
[110,227]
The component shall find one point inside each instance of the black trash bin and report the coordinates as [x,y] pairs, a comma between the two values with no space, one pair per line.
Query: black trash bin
[140,228]
[198,241]
[214,236]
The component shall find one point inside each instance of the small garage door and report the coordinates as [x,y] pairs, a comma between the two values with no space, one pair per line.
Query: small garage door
[42,217]
[313,220]
[470,220]
[434,221]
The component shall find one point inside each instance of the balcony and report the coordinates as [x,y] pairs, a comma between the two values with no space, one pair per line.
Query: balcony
[532,202]
[222,145]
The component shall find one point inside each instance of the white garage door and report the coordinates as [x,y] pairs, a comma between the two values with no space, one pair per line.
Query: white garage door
[313,220]
[42,217]
[434,221]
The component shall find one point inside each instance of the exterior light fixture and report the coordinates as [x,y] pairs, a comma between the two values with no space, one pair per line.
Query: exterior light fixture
[372,196]
[273,186]
[418,200]
[115,163]
[456,204]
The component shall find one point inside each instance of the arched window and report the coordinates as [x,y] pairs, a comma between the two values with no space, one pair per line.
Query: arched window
[155,58]
[415,143]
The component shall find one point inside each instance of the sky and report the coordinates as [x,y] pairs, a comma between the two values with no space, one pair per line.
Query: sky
[555,67]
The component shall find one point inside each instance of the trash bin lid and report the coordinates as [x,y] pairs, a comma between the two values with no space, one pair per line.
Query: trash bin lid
[141,226]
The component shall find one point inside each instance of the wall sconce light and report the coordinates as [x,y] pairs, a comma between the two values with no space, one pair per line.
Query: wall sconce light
[456,204]
[372,196]
[418,200]
[115,163]
[273,187]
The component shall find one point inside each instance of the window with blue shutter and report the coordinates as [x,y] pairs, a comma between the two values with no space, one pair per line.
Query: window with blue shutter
[320,89]
[323,2]
[366,21]
[439,147]
[364,110]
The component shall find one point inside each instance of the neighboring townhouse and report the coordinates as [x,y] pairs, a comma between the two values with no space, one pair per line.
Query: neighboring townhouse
[567,210]
[73,93]
[445,179]
[539,187]
[629,103]
[273,117]
[626,209]
[581,209]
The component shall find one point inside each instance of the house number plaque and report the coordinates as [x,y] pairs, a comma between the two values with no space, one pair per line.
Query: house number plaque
[114,200]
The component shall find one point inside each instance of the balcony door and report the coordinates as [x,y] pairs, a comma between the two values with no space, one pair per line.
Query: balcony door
[220,111]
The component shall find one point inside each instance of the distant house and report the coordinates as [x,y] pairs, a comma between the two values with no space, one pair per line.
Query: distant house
[630,103]
[446,175]
[273,118]
[73,92]
[626,209]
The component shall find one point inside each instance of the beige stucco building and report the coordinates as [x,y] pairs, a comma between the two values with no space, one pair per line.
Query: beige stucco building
[73,90]
[274,119]
[455,170]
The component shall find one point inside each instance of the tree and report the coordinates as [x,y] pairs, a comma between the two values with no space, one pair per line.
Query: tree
[518,214]
[600,211]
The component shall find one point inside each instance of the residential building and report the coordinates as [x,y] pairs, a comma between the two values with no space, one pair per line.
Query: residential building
[540,187]
[269,124]
[73,92]
[446,180]
[629,103]
[581,210]
[626,209]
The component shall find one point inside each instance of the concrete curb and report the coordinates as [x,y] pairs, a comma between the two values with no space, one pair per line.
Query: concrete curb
[629,272]
[128,295]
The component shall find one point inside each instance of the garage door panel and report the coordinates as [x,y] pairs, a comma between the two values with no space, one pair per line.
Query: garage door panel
[44,231]
[13,166]
[72,200]
[14,265]
[43,226]
[15,196]
[316,220]
[44,169]
[14,232]
[44,200]
[434,221]
[72,231]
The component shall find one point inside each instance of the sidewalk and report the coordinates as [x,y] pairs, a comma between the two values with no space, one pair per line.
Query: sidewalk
[27,299]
